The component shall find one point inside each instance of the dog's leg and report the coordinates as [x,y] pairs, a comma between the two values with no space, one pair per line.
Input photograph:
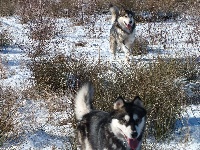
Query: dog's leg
[113,46]
[127,52]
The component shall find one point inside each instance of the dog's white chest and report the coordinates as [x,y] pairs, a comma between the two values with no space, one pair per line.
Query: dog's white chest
[125,35]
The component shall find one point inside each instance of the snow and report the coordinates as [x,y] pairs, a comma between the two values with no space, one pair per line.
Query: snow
[41,140]
[178,40]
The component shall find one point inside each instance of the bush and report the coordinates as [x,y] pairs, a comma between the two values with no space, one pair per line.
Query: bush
[154,82]
[7,7]
[140,46]
[7,99]
[148,10]
[61,73]
[3,71]
[41,26]
[29,11]
[5,39]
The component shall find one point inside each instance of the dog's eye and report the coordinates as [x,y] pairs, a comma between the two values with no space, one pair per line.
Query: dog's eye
[126,16]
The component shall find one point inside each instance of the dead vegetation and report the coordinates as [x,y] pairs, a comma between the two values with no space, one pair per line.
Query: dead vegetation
[58,75]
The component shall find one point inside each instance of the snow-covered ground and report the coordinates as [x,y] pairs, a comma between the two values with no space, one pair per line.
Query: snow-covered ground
[172,39]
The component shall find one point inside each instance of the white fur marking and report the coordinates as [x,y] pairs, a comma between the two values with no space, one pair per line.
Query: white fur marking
[140,127]
[80,106]
[127,118]
[114,146]
[135,117]
[120,129]
[87,145]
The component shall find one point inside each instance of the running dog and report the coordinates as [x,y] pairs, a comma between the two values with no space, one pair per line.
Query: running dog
[122,33]
[120,129]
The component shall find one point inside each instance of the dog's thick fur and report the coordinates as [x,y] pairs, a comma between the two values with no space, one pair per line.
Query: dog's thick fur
[121,129]
[122,33]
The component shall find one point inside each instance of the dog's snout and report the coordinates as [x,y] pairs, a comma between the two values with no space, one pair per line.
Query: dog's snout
[134,134]
[130,22]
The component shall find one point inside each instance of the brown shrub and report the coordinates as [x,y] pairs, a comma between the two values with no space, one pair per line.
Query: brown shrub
[61,73]
[140,46]
[154,82]
[5,39]
[7,99]
[7,7]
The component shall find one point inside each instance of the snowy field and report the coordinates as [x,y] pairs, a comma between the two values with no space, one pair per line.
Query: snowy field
[179,39]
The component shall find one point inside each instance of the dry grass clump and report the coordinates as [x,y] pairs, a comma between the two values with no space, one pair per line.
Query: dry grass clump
[191,69]
[157,10]
[3,71]
[79,10]
[148,10]
[42,30]
[29,11]
[154,82]
[140,46]
[7,111]
[61,73]
[7,7]
[5,39]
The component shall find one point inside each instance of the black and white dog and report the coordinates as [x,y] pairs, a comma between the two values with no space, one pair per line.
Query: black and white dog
[122,33]
[121,129]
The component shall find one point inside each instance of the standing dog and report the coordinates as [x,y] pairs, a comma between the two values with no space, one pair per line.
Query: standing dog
[121,129]
[122,33]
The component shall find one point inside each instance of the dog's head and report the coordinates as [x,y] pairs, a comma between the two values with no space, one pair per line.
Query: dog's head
[128,120]
[126,18]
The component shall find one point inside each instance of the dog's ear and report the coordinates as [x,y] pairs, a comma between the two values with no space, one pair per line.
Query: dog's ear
[121,11]
[137,101]
[132,13]
[119,103]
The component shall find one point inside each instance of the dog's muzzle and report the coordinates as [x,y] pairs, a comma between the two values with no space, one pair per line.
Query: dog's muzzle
[129,26]
[132,142]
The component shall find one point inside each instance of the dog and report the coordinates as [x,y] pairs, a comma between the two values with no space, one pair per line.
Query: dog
[120,129]
[122,32]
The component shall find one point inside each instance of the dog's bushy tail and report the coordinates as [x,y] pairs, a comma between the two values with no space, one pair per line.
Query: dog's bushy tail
[83,100]
[114,12]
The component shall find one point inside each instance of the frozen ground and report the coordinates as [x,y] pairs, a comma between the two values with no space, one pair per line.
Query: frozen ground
[178,39]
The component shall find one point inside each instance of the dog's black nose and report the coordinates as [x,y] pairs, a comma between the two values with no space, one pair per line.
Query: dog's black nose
[134,134]
[130,22]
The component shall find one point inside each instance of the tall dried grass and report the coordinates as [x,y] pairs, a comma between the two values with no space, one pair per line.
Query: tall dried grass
[7,110]
[154,81]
